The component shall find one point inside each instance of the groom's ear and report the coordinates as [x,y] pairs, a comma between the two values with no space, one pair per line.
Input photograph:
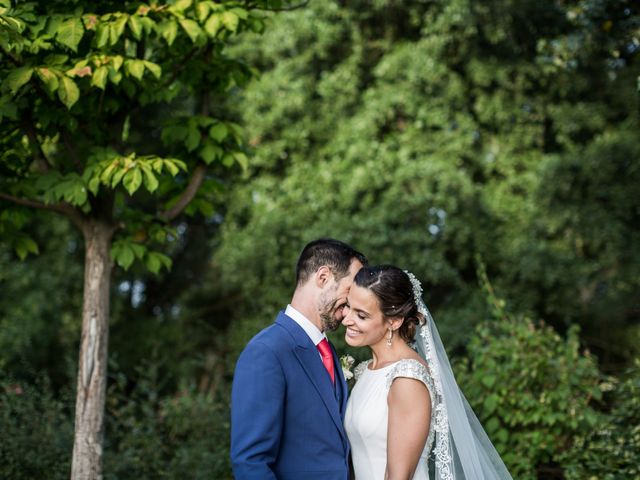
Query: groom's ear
[322,276]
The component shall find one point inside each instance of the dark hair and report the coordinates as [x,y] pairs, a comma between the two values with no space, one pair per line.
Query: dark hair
[328,252]
[394,292]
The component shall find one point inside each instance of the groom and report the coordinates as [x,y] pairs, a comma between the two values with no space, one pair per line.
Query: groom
[289,394]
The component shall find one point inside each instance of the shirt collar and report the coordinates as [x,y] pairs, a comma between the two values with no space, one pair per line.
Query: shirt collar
[310,329]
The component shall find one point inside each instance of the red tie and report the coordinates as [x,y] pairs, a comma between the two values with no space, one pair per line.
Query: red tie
[327,357]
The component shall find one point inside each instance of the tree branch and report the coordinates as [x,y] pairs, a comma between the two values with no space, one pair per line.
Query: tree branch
[63,208]
[187,195]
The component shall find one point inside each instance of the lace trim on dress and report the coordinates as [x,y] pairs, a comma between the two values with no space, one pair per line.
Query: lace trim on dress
[410,368]
[359,370]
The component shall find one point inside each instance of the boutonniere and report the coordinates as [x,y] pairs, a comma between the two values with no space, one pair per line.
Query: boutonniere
[346,362]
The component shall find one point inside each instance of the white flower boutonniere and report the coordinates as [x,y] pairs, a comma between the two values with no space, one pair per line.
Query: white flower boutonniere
[346,362]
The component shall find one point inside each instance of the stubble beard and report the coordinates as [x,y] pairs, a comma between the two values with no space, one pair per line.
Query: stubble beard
[327,315]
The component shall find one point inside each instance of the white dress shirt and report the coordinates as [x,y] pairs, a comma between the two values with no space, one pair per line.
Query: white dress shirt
[310,329]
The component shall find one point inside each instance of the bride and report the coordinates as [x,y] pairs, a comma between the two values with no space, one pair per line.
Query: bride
[406,415]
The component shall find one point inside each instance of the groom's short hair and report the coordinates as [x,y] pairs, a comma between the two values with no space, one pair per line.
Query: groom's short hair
[328,252]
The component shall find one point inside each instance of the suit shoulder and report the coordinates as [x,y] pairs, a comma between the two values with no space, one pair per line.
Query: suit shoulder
[274,337]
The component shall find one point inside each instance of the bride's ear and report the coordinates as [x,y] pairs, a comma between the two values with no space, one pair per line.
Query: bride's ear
[395,323]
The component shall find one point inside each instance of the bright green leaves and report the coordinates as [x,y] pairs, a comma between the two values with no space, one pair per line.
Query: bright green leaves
[168,30]
[125,251]
[192,28]
[99,77]
[17,78]
[134,68]
[206,18]
[70,33]
[54,80]
[68,91]
[131,172]
[156,260]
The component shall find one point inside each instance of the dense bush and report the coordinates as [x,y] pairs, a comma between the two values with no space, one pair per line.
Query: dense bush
[611,451]
[184,435]
[37,432]
[533,390]
[177,436]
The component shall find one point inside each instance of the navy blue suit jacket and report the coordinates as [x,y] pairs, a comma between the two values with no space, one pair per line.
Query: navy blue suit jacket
[286,416]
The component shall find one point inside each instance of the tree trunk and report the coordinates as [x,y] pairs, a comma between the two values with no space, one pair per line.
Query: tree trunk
[92,367]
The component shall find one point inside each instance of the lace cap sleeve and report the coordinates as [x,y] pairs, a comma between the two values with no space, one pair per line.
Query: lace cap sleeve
[360,369]
[410,368]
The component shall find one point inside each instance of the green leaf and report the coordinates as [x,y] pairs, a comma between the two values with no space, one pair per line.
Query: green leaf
[212,27]
[49,79]
[154,68]
[68,92]
[114,76]
[99,77]
[202,10]
[135,26]
[17,78]
[138,250]
[132,180]
[169,31]
[192,28]
[150,180]
[70,33]
[218,132]
[157,165]
[94,185]
[228,160]
[240,12]
[116,62]
[182,5]
[488,380]
[116,29]
[117,176]
[24,246]
[490,404]
[134,68]
[102,35]
[156,260]
[193,138]
[242,160]
[123,254]
[171,166]
[56,60]
[209,152]
[230,20]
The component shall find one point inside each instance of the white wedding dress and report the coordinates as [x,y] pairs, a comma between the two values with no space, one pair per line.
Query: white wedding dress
[367,415]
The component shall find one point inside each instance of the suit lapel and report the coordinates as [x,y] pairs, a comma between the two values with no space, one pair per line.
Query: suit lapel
[341,383]
[309,359]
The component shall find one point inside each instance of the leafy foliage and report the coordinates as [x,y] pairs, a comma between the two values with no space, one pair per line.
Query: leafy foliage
[611,450]
[32,416]
[151,436]
[533,391]
[102,102]
[426,133]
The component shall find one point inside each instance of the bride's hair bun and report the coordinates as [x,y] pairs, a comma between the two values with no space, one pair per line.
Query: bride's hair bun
[394,291]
